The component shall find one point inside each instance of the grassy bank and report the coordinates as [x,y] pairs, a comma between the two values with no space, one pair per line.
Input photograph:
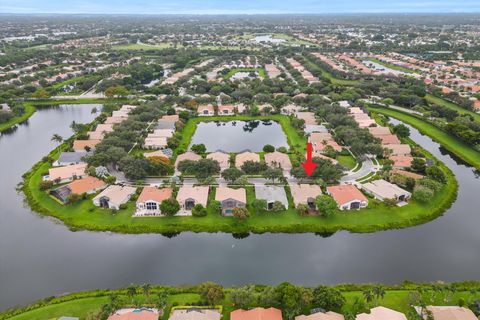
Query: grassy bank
[29,110]
[450,105]
[392,66]
[82,303]
[452,144]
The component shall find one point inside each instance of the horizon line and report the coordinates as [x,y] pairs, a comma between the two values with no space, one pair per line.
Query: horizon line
[246,13]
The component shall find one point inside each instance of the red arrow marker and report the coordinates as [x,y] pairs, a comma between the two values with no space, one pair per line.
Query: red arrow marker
[309,166]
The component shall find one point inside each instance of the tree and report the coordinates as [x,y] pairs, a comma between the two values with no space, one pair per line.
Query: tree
[58,139]
[199,211]
[162,300]
[243,297]
[259,204]
[368,295]
[418,165]
[273,174]
[232,174]
[198,148]
[146,289]
[211,293]
[268,148]
[292,299]
[241,213]
[131,291]
[379,293]
[253,167]
[326,205]
[422,194]
[435,173]
[401,130]
[169,207]
[328,298]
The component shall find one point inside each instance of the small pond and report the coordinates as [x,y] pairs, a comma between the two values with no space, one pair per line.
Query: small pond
[237,136]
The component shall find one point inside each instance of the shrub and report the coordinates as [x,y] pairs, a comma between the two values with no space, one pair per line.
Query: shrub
[123,206]
[199,211]
[45,185]
[215,206]
[268,148]
[282,150]
[241,213]
[302,209]
[422,194]
[435,173]
[278,206]
[169,207]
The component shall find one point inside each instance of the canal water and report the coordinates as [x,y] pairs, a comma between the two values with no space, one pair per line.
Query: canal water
[40,257]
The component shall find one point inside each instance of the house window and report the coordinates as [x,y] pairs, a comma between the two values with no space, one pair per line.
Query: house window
[230,204]
[205,111]
[151,205]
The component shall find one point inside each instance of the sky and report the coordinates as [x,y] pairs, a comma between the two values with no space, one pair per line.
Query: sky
[236,6]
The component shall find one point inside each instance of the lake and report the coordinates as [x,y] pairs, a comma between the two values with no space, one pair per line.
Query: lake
[238,136]
[40,257]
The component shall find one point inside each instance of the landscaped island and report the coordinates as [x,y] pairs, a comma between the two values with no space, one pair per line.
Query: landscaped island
[285,301]
[135,169]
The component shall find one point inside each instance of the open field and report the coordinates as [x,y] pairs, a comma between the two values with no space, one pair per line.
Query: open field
[452,144]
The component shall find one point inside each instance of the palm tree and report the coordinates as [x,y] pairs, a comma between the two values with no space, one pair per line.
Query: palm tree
[379,292]
[58,139]
[131,291]
[368,295]
[146,290]
[162,300]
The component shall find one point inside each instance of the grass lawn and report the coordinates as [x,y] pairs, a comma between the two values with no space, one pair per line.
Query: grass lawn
[392,66]
[72,80]
[348,162]
[312,66]
[29,110]
[450,105]
[452,144]
[261,72]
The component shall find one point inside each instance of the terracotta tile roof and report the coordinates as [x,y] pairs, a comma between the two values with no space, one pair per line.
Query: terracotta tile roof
[171,118]
[221,157]
[104,127]
[243,157]
[155,194]
[399,149]
[257,314]
[330,315]
[278,158]
[302,192]
[143,315]
[407,174]
[388,139]
[95,135]
[67,171]
[86,185]
[451,313]
[189,155]
[401,161]
[199,194]
[224,193]
[381,313]
[344,194]
[80,145]
[378,131]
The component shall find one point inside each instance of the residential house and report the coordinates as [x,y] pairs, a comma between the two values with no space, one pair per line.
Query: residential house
[114,196]
[189,196]
[67,173]
[170,118]
[245,156]
[222,158]
[399,149]
[291,109]
[87,185]
[149,200]
[69,158]
[135,314]
[278,159]
[226,110]
[114,120]
[271,194]
[381,313]
[206,110]
[379,131]
[330,315]
[230,199]
[5,107]
[105,128]
[257,314]
[167,153]
[382,190]
[161,124]
[162,133]
[189,155]
[401,162]
[311,128]
[449,313]
[347,197]
[308,117]
[388,139]
[120,114]
[95,135]
[407,174]
[195,314]
[320,141]
[85,145]
[155,142]
[305,194]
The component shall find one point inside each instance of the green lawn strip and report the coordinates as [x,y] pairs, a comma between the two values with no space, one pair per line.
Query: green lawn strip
[451,143]
[348,162]
[261,72]
[392,66]
[450,105]
[75,79]
[311,65]
[81,304]
[29,110]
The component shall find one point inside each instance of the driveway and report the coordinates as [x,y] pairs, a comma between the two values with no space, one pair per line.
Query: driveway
[367,167]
